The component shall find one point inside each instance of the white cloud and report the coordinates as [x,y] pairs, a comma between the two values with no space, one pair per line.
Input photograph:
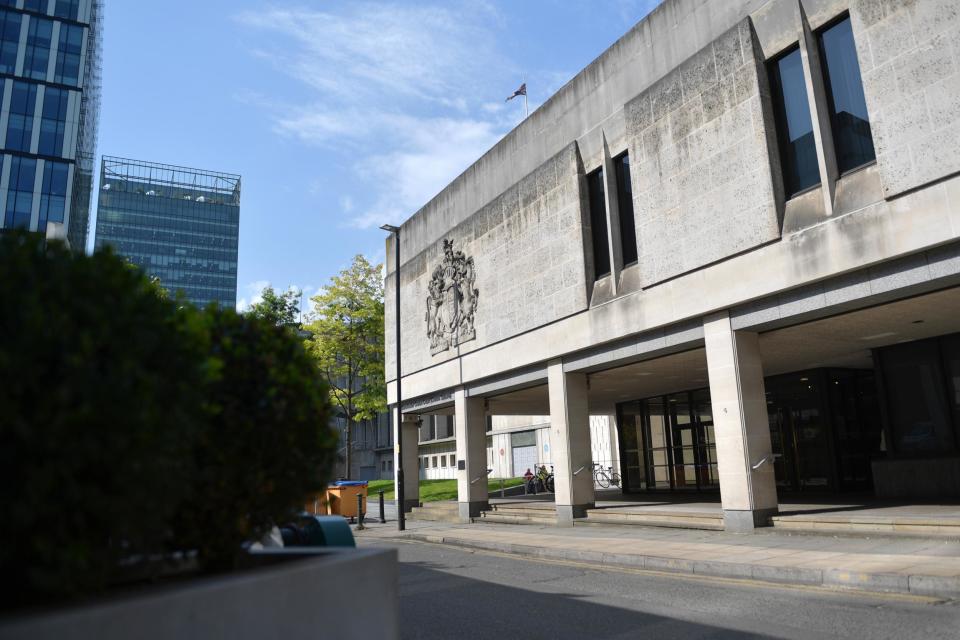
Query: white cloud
[371,49]
[401,86]
[252,295]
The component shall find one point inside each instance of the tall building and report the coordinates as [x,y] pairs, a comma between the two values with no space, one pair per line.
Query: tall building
[50,91]
[736,234]
[180,225]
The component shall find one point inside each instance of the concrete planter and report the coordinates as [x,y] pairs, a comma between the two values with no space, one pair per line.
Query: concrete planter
[295,593]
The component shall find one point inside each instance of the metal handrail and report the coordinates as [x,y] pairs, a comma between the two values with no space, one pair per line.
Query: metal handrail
[770,458]
[489,471]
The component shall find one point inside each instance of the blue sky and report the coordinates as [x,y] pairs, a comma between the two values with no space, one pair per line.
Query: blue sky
[340,116]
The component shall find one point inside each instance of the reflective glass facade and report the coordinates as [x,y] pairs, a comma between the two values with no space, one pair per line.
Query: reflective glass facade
[50,97]
[180,225]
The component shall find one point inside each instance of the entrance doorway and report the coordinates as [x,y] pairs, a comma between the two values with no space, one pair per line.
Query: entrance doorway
[824,429]
[668,442]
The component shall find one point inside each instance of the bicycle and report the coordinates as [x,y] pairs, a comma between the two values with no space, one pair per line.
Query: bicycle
[604,479]
[541,481]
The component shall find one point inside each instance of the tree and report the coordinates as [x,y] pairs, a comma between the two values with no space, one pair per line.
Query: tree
[281,309]
[348,343]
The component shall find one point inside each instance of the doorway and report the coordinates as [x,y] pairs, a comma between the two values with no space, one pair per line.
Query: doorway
[668,442]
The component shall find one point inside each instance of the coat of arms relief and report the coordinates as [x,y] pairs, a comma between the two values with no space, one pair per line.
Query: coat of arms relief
[452,301]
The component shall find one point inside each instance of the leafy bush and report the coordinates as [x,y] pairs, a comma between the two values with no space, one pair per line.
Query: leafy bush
[100,393]
[266,443]
[130,427]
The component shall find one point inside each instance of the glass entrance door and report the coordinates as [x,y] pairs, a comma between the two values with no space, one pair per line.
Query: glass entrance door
[667,442]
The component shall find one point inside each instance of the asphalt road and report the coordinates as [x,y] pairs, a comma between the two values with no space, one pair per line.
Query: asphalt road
[451,593]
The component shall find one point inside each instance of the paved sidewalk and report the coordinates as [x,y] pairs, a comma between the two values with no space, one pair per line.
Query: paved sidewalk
[900,565]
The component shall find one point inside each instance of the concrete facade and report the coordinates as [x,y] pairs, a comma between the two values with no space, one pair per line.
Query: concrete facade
[727,262]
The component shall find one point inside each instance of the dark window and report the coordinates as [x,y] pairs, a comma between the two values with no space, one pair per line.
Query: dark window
[23,101]
[9,41]
[848,108]
[53,122]
[68,54]
[918,410]
[39,38]
[628,230]
[598,224]
[39,6]
[69,9]
[951,361]
[798,153]
[53,194]
[20,193]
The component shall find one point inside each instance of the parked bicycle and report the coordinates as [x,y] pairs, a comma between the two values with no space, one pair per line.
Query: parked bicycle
[542,480]
[605,476]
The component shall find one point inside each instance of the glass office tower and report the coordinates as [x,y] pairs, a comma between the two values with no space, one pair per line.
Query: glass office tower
[50,96]
[180,225]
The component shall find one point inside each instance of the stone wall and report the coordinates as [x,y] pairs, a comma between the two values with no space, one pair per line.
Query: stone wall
[528,250]
[701,161]
[909,54]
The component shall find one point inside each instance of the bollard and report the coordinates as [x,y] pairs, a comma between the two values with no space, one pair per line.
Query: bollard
[383,519]
[360,512]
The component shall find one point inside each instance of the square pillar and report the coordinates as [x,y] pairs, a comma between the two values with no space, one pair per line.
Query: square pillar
[570,443]
[408,429]
[470,429]
[748,489]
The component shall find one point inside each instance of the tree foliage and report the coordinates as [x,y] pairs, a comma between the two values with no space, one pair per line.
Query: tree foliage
[133,426]
[348,342]
[101,390]
[281,309]
[266,442]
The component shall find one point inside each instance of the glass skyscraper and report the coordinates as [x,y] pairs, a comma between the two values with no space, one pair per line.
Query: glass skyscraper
[50,96]
[180,225]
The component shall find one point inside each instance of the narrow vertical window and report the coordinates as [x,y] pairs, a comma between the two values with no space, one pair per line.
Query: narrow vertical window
[67,9]
[849,121]
[798,152]
[39,39]
[20,193]
[67,70]
[598,224]
[23,100]
[53,194]
[9,41]
[628,231]
[53,122]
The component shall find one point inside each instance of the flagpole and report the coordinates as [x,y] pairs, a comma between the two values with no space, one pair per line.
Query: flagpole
[526,109]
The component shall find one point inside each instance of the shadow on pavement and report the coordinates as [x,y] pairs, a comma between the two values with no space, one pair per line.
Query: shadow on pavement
[437,604]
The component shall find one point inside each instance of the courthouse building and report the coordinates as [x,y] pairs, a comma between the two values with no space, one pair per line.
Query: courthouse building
[737,234]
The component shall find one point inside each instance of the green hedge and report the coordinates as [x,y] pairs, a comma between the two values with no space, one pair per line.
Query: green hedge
[132,425]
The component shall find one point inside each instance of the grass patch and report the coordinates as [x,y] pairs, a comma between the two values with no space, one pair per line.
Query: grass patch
[434,490]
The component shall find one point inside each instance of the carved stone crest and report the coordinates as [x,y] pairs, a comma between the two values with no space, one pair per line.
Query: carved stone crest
[452,301]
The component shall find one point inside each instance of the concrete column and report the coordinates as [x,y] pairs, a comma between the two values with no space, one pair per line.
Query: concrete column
[408,428]
[470,428]
[570,443]
[748,490]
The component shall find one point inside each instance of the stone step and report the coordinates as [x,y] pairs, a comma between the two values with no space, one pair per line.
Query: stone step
[436,512]
[678,520]
[523,509]
[496,518]
[854,524]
